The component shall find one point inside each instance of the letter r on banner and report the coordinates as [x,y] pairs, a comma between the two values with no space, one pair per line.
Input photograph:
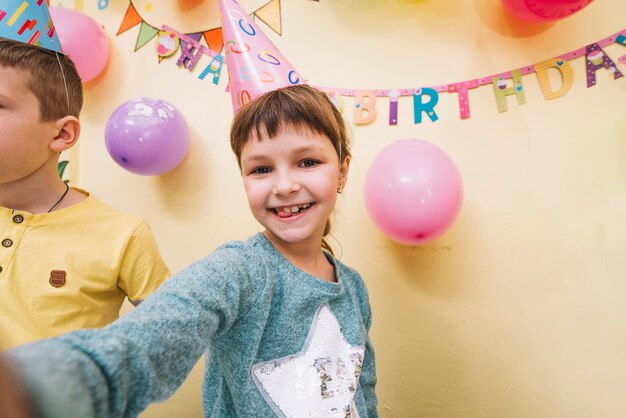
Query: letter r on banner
[428,107]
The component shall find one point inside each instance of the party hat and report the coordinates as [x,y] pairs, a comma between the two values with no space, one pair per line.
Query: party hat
[28,21]
[255,65]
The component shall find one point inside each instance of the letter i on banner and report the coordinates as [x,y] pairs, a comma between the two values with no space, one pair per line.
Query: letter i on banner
[596,59]
[428,107]
[501,90]
[364,107]
[565,71]
[394,95]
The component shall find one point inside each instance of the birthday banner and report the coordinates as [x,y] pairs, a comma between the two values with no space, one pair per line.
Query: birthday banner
[425,98]
[504,84]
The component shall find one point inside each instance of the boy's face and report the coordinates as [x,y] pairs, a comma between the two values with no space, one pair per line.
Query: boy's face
[24,137]
[291,183]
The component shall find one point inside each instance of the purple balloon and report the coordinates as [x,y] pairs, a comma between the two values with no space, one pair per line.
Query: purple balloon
[147,136]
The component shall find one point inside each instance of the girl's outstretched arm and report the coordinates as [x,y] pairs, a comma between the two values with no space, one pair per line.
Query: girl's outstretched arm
[368,376]
[144,356]
[13,401]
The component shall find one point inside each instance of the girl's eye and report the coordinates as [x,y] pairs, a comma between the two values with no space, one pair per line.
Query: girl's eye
[260,170]
[308,163]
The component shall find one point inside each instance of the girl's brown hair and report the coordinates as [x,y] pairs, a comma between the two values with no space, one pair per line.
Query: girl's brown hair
[298,107]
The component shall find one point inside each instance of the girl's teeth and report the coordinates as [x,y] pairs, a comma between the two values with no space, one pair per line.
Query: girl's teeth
[292,209]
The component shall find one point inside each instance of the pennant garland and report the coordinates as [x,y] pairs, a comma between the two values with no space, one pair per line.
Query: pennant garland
[425,99]
[170,40]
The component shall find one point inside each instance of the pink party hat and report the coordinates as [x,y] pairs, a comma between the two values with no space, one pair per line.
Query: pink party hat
[28,21]
[255,65]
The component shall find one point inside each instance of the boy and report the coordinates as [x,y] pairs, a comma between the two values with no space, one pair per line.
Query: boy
[67,261]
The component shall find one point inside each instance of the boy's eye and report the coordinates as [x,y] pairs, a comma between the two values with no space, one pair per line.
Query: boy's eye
[308,163]
[260,170]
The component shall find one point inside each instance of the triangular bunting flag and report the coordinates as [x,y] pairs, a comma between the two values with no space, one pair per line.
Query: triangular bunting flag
[214,39]
[131,18]
[195,36]
[146,33]
[270,15]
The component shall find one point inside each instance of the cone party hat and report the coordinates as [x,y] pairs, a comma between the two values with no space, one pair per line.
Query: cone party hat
[28,21]
[255,65]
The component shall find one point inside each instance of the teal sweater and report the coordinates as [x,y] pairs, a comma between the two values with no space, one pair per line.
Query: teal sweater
[278,342]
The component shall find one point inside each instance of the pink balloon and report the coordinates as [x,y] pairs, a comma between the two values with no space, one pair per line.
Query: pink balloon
[413,191]
[83,40]
[544,10]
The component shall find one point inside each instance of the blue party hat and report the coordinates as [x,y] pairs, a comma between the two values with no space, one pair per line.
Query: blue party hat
[28,21]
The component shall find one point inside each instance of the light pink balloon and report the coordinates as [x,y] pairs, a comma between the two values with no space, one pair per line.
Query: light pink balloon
[413,191]
[83,40]
[544,10]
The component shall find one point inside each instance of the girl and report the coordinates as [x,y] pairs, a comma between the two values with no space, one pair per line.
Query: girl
[284,324]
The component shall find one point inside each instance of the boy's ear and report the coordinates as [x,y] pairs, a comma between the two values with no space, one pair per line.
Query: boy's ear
[68,132]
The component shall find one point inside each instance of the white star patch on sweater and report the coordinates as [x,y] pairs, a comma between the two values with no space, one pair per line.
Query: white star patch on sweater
[321,380]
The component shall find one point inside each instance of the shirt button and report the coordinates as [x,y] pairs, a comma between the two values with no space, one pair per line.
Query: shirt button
[7,242]
[18,219]
[0,269]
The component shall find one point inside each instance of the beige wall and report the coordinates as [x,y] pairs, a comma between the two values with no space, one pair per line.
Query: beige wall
[518,310]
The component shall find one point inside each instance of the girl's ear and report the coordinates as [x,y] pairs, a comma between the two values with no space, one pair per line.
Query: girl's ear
[343,172]
[68,132]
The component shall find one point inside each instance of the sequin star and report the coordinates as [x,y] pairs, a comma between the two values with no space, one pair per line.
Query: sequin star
[321,380]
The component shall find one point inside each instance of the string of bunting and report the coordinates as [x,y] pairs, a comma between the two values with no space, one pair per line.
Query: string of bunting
[269,13]
[425,99]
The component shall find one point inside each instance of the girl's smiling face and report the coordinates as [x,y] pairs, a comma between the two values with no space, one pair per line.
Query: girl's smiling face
[291,183]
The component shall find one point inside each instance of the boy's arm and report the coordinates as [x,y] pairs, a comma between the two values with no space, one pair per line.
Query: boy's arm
[142,269]
[143,357]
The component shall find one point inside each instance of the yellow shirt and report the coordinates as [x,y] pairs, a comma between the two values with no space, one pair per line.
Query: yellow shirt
[71,269]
